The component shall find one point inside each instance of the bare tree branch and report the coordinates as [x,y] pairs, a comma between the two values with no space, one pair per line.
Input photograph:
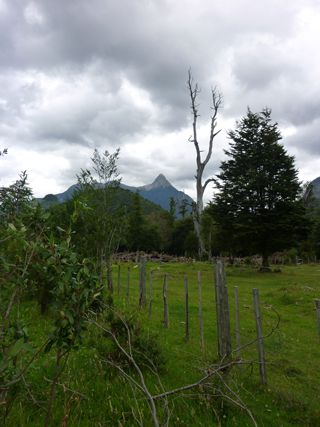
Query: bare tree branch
[199,382]
[237,401]
[18,377]
[193,92]
[142,387]
[65,388]
[273,329]
[207,182]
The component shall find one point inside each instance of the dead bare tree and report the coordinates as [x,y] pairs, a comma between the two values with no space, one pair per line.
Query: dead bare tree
[202,163]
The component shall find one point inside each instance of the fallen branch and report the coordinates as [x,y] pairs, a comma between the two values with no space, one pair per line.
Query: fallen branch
[142,386]
[197,383]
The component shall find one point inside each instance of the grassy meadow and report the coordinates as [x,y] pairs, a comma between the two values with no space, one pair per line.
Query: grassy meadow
[93,393]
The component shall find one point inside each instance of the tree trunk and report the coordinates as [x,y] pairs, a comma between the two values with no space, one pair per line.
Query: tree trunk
[265,267]
[209,247]
[57,372]
[197,228]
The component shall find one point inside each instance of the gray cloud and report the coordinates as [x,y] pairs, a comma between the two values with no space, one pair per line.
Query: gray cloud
[307,138]
[76,75]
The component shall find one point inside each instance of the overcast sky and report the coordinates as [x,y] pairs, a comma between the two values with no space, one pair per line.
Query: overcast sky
[80,74]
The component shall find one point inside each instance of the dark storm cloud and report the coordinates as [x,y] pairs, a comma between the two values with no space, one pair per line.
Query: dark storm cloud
[153,43]
[109,73]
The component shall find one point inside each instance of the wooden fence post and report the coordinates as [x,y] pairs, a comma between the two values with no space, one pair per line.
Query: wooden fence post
[238,336]
[119,276]
[165,302]
[150,292]
[317,301]
[109,275]
[260,343]
[142,294]
[200,311]
[222,309]
[186,299]
[128,286]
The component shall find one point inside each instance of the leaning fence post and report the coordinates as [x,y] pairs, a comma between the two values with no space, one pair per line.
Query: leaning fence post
[165,302]
[260,343]
[150,293]
[238,337]
[142,295]
[222,309]
[200,311]
[317,301]
[186,299]
[128,286]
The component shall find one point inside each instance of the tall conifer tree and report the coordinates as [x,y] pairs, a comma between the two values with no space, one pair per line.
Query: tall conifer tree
[257,208]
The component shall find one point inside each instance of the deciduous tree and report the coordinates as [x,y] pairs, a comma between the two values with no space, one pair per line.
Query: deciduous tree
[99,223]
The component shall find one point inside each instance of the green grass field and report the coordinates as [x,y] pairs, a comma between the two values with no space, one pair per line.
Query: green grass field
[91,393]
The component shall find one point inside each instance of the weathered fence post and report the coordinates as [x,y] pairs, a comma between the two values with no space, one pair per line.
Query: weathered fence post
[260,343]
[165,302]
[200,311]
[109,275]
[119,276]
[238,337]
[186,299]
[222,309]
[128,286]
[317,301]
[142,294]
[150,293]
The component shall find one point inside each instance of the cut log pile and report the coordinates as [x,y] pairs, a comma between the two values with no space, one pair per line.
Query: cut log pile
[153,256]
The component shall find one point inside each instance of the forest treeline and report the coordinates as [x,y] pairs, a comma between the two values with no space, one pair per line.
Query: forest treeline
[137,224]
[147,227]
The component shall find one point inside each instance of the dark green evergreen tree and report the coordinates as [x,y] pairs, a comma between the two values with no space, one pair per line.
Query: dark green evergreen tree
[257,208]
[173,207]
[183,208]
[136,224]
[310,247]
[142,235]
[184,240]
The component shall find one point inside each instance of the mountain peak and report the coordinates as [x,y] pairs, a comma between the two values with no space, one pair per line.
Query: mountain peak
[160,182]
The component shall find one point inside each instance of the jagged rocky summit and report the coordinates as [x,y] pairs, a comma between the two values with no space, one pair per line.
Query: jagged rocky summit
[161,191]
